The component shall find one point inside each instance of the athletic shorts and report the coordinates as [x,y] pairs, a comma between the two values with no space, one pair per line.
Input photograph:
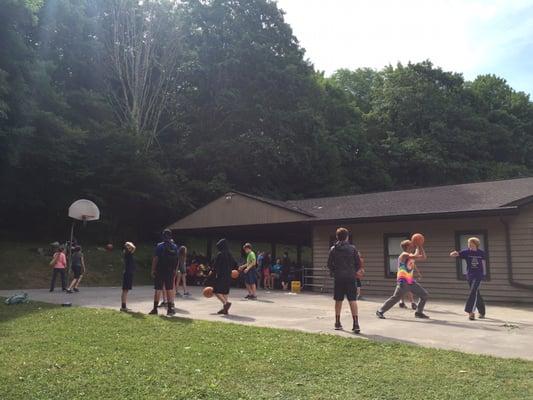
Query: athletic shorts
[127,281]
[164,280]
[345,288]
[222,286]
[250,277]
[76,270]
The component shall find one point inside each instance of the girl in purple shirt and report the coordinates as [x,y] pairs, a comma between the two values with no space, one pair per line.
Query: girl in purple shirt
[475,272]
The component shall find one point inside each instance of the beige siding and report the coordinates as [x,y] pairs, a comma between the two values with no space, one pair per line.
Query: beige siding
[521,228]
[439,271]
[239,210]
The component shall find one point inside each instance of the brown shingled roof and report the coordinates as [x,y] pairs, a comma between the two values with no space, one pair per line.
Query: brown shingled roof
[471,197]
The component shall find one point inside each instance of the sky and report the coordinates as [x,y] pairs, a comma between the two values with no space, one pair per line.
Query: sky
[470,36]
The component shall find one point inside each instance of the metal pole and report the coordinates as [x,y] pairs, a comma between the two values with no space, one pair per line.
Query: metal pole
[69,251]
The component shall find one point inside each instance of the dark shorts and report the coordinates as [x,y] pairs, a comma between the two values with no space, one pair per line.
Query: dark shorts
[358,281]
[164,280]
[345,288]
[127,281]
[76,270]
[251,277]
[222,286]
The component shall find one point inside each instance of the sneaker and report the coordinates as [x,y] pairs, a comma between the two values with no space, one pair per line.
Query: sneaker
[356,328]
[163,304]
[481,316]
[125,309]
[472,317]
[402,305]
[338,326]
[221,311]
[69,291]
[186,294]
[380,315]
[153,312]
[76,290]
[248,296]
[226,308]
[414,306]
[51,290]
[253,297]
[171,311]
[421,315]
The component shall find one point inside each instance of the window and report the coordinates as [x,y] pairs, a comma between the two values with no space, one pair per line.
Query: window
[392,252]
[461,242]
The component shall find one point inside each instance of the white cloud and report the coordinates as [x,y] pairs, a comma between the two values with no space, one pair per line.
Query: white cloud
[463,36]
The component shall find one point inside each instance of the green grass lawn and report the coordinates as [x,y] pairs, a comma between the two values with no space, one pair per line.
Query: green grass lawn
[49,352]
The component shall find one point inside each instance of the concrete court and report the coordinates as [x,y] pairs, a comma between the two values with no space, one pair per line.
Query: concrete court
[507,331]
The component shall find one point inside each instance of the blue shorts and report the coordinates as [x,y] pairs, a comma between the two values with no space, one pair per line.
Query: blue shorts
[250,277]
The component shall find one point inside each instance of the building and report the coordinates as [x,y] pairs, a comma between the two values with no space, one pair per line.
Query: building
[500,213]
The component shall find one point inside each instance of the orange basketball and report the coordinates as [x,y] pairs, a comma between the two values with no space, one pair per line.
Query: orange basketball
[234,274]
[208,292]
[418,239]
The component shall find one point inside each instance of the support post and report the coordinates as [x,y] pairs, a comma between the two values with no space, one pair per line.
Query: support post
[209,253]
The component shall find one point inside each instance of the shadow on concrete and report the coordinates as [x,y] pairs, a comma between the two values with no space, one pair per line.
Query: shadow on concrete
[181,311]
[263,301]
[429,310]
[466,325]
[186,298]
[239,318]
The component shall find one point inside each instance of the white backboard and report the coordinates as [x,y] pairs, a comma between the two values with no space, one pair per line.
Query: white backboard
[84,210]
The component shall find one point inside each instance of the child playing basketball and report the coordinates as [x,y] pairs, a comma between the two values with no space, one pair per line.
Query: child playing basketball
[475,272]
[409,295]
[360,273]
[345,266]
[78,268]
[181,274]
[222,267]
[250,276]
[405,281]
[59,264]
[127,276]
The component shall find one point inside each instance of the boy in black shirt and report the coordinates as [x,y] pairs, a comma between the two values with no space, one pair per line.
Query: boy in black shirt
[127,277]
[344,263]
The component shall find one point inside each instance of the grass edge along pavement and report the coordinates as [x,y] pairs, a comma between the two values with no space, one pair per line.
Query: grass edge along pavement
[52,352]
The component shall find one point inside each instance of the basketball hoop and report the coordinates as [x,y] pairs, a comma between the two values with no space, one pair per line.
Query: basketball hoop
[81,210]
[84,210]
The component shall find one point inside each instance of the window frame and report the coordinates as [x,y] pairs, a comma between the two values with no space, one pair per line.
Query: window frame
[386,259]
[458,261]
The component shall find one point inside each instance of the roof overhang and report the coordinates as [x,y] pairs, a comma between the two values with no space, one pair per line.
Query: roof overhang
[502,211]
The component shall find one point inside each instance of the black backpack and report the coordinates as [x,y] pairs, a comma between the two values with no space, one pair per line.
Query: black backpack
[169,258]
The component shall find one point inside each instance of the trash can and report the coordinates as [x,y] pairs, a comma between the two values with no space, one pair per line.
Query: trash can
[296,286]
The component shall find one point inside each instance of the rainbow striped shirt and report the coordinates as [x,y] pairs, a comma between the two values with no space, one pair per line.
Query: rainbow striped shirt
[405,272]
